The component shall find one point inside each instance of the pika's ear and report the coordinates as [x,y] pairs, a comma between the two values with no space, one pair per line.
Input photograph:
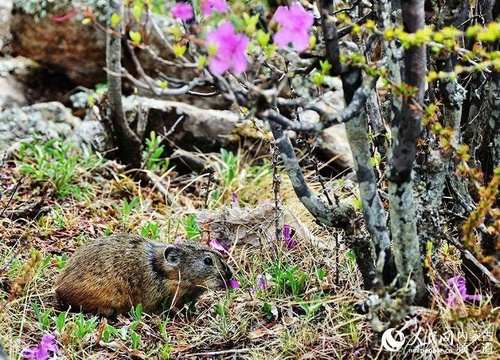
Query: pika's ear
[172,255]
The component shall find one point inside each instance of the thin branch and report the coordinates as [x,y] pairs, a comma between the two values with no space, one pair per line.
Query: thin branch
[339,216]
[161,91]
[12,195]
[140,69]
[355,108]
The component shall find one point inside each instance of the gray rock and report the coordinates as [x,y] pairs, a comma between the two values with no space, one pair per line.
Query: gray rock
[185,125]
[5,9]
[11,93]
[46,120]
[332,142]
[92,134]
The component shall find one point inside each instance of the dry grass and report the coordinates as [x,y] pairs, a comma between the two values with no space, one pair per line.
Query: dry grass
[305,310]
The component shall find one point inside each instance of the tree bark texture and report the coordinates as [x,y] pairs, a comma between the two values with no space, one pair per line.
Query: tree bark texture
[129,144]
[340,216]
[405,134]
[494,121]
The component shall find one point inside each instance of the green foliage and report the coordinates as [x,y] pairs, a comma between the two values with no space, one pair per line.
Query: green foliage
[321,274]
[234,174]
[288,280]
[165,351]
[115,20]
[136,339]
[59,165]
[191,226]
[229,165]
[60,320]
[312,307]
[135,36]
[125,209]
[61,260]
[151,230]
[83,326]
[43,316]
[136,312]
[152,154]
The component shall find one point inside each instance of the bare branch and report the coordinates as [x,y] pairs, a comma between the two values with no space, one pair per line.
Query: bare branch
[339,216]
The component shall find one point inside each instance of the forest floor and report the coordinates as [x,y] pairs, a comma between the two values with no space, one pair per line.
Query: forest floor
[295,299]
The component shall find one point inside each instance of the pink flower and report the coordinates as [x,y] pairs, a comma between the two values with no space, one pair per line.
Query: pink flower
[231,49]
[234,198]
[261,284]
[45,350]
[261,281]
[287,237]
[207,6]
[182,11]
[217,245]
[295,24]
[457,291]
[234,284]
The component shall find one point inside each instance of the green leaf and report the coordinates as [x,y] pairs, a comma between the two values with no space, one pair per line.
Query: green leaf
[137,12]
[263,37]
[163,84]
[115,20]
[135,36]
[179,49]
[318,79]
[325,66]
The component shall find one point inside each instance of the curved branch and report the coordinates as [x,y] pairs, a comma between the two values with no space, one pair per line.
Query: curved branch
[340,216]
[354,109]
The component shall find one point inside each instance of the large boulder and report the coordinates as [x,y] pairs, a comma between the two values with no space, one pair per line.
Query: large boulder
[75,49]
[12,91]
[190,127]
[52,33]
[47,120]
[5,9]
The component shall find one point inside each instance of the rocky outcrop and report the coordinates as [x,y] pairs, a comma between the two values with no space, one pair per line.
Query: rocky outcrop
[185,126]
[75,49]
[48,120]
[190,127]
[62,42]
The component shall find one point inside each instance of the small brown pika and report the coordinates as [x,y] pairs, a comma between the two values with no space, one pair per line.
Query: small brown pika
[108,276]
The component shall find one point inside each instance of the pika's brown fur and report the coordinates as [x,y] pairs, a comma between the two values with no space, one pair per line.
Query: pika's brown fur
[109,275]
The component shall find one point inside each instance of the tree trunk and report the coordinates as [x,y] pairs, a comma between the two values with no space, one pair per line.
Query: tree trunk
[405,134]
[129,144]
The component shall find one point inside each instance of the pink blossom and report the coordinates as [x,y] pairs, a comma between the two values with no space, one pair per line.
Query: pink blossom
[231,49]
[287,237]
[234,284]
[261,284]
[182,11]
[457,291]
[234,198]
[217,245]
[295,24]
[45,350]
[178,240]
[207,6]
[261,281]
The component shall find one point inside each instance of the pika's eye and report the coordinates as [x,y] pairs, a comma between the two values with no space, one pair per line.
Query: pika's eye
[208,261]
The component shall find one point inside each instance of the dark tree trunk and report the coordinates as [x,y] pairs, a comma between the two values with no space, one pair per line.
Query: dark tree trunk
[128,143]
